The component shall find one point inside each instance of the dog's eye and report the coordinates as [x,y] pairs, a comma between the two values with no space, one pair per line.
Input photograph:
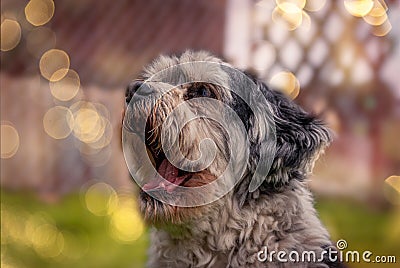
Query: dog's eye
[201,91]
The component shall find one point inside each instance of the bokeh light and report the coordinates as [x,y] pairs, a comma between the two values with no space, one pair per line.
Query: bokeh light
[373,13]
[12,225]
[391,189]
[101,109]
[298,3]
[40,40]
[287,83]
[52,61]
[126,224]
[47,240]
[93,131]
[105,137]
[66,88]
[88,125]
[290,14]
[39,12]
[58,122]
[375,20]
[358,8]
[377,15]
[92,126]
[10,34]
[314,5]
[35,220]
[383,29]
[9,140]
[101,199]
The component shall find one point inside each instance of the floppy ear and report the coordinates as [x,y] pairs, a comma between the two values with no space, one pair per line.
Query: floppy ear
[300,138]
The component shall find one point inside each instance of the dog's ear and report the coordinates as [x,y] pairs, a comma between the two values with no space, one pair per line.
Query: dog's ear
[300,137]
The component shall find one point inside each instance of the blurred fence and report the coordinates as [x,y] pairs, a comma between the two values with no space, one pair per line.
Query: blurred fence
[337,59]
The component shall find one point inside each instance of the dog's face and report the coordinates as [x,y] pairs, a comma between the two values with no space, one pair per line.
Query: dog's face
[187,117]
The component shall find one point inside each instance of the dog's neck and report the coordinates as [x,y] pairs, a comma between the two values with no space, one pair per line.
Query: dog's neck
[284,220]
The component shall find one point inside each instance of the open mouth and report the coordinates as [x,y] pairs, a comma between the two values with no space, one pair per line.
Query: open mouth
[169,177]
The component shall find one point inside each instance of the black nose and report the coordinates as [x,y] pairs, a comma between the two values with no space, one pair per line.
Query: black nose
[131,90]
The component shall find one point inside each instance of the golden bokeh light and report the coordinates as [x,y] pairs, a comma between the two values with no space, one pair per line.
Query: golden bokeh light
[383,3]
[11,229]
[101,109]
[287,83]
[92,125]
[358,8]
[382,30]
[52,61]
[35,220]
[58,122]
[377,16]
[47,240]
[36,231]
[375,20]
[283,3]
[9,140]
[39,40]
[101,199]
[88,125]
[39,12]
[10,34]
[75,107]
[91,148]
[379,9]
[126,224]
[314,5]
[66,88]
[12,225]
[392,189]
[289,14]
[105,137]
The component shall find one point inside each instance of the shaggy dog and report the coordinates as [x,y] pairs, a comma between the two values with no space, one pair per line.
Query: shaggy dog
[246,221]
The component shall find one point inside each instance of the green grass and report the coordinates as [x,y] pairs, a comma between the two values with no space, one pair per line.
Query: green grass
[362,228]
[90,243]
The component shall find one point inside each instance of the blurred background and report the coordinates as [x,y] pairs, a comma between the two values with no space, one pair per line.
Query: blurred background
[66,195]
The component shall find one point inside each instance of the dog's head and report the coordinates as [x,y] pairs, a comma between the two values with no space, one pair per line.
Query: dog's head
[193,114]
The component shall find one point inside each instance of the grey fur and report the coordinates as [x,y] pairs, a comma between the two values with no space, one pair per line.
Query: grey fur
[232,230]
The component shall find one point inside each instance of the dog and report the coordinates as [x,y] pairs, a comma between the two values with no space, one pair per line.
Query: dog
[247,220]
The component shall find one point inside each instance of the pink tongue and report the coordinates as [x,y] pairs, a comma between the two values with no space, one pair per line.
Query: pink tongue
[167,172]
